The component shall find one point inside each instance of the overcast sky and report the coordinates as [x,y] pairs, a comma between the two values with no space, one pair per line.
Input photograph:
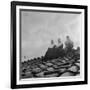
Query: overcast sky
[39,28]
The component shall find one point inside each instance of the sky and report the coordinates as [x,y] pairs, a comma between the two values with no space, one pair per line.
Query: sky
[39,28]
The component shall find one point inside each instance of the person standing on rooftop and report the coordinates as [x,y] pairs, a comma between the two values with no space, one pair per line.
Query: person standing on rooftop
[68,43]
[52,44]
[59,43]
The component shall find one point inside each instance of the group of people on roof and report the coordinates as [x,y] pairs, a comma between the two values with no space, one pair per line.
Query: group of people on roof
[57,50]
[68,43]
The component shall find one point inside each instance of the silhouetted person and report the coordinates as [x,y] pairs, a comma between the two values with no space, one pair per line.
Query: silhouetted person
[78,48]
[52,43]
[60,51]
[50,52]
[60,44]
[68,45]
